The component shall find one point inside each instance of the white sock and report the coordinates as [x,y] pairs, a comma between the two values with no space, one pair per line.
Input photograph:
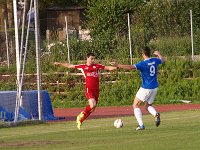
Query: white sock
[138,116]
[152,110]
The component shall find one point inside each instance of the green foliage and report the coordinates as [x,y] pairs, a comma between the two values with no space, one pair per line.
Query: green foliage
[176,78]
[179,79]
[121,92]
[172,46]
[107,17]
[106,21]
[177,82]
[169,17]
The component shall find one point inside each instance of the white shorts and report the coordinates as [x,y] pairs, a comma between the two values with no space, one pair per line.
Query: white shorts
[147,95]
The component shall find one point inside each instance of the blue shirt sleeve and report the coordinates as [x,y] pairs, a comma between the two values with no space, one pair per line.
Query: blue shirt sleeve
[139,65]
[158,61]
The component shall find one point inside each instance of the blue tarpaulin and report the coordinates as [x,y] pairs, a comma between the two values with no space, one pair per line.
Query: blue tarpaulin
[29,108]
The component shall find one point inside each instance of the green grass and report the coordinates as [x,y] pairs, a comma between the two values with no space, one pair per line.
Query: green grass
[178,131]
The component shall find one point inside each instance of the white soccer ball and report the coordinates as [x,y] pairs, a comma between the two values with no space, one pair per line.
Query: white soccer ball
[118,123]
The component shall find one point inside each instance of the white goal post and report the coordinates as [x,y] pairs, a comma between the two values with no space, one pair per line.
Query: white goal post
[19,54]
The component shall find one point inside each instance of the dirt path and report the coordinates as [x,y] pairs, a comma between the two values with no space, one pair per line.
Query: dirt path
[115,111]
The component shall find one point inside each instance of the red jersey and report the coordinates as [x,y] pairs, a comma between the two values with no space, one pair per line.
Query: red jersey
[91,75]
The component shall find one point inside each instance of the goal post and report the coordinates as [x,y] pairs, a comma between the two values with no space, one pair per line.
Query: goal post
[20,69]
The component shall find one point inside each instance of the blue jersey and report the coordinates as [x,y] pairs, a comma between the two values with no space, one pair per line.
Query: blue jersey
[148,69]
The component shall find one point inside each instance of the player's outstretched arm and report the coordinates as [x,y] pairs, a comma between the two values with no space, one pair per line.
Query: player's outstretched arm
[110,68]
[67,65]
[126,67]
[157,53]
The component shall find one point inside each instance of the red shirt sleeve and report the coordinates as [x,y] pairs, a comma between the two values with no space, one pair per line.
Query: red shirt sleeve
[100,66]
[79,66]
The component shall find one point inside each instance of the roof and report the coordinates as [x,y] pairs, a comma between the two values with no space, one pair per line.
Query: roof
[54,8]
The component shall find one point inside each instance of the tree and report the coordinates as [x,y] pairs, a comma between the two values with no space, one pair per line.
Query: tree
[108,18]
[169,17]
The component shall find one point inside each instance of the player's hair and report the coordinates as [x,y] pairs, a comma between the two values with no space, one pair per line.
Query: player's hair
[146,50]
[90,54]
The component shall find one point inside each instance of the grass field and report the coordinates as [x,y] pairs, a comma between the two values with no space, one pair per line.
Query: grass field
[178,131]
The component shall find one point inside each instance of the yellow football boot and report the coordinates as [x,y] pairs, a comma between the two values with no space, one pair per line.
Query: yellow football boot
[78,120]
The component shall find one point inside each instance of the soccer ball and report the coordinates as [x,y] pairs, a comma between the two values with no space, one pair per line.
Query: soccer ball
[118,123]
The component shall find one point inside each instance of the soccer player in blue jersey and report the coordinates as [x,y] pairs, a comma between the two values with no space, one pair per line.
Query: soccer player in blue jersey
[147,92]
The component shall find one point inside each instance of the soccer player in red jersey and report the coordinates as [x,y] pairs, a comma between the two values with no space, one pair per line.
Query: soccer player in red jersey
[90,72]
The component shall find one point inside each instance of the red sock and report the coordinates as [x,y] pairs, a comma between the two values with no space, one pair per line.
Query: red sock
[87,110]
[85,116]
[86,113]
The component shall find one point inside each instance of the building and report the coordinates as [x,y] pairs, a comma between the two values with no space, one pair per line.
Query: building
[56,17]
[56,20]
